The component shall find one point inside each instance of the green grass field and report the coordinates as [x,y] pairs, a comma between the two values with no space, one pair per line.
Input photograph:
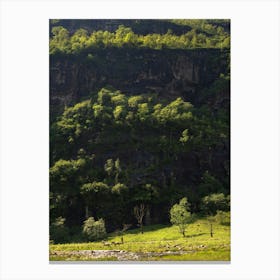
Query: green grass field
[158,242]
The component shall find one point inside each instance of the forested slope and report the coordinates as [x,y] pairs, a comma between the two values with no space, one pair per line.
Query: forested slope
[137,117]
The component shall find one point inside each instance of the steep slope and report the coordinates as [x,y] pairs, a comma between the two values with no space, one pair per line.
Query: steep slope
[168,73]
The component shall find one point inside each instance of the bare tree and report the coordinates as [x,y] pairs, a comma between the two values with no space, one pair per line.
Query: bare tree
[121,232]
[139,213]
[211,220]
[125,228]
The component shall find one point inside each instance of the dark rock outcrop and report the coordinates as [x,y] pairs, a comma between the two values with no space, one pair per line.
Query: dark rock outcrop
[167,73]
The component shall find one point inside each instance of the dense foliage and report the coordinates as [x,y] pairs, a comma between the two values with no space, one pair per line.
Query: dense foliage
[111,153]
[116,152]
[202,36]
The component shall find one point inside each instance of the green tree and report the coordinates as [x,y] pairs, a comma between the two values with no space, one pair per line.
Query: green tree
[185,137]
[109,166]
[124,35]
[104,96]
[64,176]
[95,196]
[180,215]
[59,233]
[133,101]
[60,40]
[119,113]
[119,99]
[94,230]
[113,168]
[143,111]
[78,40]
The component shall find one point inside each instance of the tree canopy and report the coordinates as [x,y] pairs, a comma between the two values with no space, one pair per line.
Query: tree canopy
[201,35]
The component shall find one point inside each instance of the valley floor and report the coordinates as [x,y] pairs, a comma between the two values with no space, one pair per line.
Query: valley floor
[158,243]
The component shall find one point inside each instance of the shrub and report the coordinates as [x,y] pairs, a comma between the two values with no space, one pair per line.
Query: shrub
[214,202]
[223,218]
[58,232]
[94,230]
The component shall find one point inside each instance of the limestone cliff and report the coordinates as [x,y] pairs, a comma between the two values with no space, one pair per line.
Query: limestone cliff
[167,73]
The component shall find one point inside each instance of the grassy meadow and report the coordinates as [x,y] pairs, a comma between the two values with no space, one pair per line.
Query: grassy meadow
[157,243]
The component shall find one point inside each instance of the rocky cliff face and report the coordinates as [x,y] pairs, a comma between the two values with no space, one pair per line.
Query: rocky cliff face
[168,73]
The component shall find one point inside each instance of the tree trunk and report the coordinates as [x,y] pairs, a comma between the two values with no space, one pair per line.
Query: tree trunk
[86,212]
[147,216]
[211,230]
[141,226]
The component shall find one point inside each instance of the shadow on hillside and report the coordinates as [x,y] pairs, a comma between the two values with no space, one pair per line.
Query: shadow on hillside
[137,230]
[195,235]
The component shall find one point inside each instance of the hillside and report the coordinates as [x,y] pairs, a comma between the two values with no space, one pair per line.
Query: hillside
[139,115]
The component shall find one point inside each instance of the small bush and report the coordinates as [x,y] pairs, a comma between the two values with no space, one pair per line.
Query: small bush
[58,232]
[94,230]
[215,202]
[223,218]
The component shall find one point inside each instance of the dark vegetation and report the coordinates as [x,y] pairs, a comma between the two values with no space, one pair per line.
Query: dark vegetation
[121,158]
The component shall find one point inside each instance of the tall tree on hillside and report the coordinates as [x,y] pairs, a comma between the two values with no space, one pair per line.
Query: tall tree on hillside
[180,216]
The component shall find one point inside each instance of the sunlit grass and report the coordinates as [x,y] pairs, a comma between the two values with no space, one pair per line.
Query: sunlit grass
[206,255]
[197,245]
